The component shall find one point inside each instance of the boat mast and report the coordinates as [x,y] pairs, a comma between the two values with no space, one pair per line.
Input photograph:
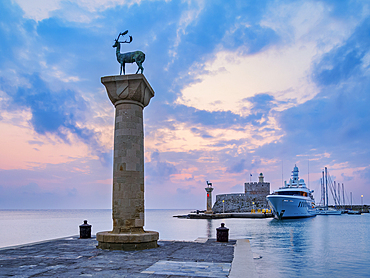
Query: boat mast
[321,203]
[335,194]
[326,187]
[339,194]
[323,189]
[344,200]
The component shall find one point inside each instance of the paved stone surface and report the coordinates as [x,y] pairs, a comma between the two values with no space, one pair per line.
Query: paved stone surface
[243,265]
[73,257]
[198,269]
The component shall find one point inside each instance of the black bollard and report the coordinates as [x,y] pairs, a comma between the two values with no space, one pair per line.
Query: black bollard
[222,233]
[85,230]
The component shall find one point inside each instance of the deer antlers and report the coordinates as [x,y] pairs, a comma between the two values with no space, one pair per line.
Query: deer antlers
[122,34]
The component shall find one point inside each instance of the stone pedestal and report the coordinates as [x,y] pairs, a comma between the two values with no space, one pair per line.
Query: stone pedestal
[129,94]
[209,200]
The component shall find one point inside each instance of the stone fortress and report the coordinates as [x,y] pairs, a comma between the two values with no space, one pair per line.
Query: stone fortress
[254,192]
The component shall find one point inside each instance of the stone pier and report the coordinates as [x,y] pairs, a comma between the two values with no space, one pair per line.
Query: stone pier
[129,94]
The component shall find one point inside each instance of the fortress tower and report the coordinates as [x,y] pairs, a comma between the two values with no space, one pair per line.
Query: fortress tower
[257,191]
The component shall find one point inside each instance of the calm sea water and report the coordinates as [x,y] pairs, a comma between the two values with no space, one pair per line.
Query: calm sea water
[322,246]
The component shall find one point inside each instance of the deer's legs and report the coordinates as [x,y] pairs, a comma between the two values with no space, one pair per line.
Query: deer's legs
[122,68]
[140,67]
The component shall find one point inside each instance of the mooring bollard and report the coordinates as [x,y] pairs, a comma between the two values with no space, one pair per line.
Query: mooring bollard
[222,233]
[85,230]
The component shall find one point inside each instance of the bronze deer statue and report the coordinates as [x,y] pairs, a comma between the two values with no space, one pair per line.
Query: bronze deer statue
[129,57]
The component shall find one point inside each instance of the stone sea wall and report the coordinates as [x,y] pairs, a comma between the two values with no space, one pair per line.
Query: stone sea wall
[255,192]
[233,203]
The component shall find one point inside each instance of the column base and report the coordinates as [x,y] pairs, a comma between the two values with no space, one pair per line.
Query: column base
[127,241]
[208,212]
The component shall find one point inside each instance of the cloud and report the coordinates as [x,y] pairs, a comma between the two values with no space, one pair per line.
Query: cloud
[74,184]
[39,10]
[346,178]
[244,165]
[336,120]
[202,133]
[51,110]
[257,107]
[183,191]
[61,113]
[351,58]
[238,167]
[159,170]
[248,39]
[364,174]
[34,142]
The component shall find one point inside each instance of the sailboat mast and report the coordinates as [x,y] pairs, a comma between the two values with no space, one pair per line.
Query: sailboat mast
[339,194]
[344,200]
[335,194]
[323,189]
[326,187]
[321,202]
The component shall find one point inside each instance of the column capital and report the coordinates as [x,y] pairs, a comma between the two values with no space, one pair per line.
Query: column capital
[131,88]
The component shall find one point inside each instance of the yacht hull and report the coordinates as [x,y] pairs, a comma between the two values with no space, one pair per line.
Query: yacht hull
[286,206]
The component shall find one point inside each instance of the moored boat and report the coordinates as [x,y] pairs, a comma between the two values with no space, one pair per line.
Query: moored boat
[327,211]
[354,212]
[293,200]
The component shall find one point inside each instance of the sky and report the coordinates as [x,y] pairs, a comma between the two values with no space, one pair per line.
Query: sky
[241,87]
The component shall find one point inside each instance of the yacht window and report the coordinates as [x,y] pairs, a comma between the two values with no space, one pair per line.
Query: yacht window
[293,193]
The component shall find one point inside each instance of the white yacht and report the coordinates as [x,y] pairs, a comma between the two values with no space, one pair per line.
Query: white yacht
[293,200]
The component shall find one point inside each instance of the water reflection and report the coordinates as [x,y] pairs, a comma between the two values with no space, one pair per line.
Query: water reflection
[209,228]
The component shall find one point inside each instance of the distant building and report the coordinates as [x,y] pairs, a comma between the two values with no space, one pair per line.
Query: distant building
[257,191]
[254,192]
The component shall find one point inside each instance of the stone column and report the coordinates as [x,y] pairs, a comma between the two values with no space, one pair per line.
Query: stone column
[129,94]
[209,200]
